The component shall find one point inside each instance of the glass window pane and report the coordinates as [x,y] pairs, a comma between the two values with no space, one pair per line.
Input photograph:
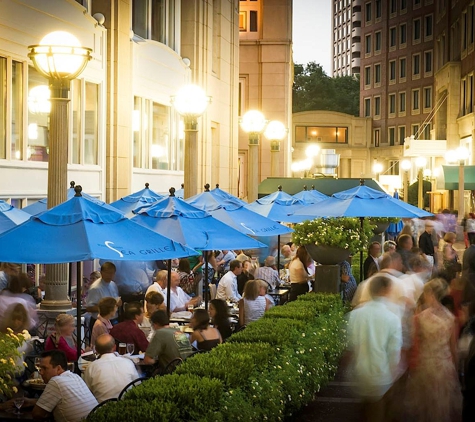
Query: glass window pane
[160,148]
[17,110]
[253,21]
[139,17]
[158,21]
[137,129]
[3,106]
[76,120]
[90,124]
[300,134]
[39,108]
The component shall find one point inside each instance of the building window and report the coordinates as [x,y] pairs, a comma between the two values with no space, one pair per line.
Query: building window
[415,100]
[470,94]
[376,137]
[428,97]
[415,131]
[402,102]
[402,68]
[392,103]
[392,71]
[253,21]
[464,31]
[324,134]
[417,4]
[427,131]
[156,20]
[377,106]
[403,5]
[391,135]
[367,49]
[428,29]
[378,9]
[368,16]
[392,37]
[377,41]
[416,65]
[428,62]
[416,31]
[367,75]
[367,107]
[17,92]
[402,134]
[157,143]
[402,34]
[377,74]
[392,7]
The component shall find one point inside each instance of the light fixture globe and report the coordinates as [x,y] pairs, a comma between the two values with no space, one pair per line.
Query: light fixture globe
[190,101]
[312,151]
[253,122]
[462,153]
[421,162]
[59,56]
[275,130]
[377,168]
[406,165]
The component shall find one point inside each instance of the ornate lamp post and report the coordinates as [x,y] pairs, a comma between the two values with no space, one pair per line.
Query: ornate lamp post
[377,169]
[191,102]
[60,58]
[253,123]
[405,166]
[275,132]
[420,164]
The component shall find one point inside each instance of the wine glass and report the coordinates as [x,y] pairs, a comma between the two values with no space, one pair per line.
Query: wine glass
[130,348]
[18,400]
[37,363]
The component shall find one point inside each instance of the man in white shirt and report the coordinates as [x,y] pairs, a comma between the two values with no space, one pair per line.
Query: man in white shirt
[179,300]
[103,287]
[227,287]
[375,339]
[268,273]
[160,284]
[66,396]
[107,376]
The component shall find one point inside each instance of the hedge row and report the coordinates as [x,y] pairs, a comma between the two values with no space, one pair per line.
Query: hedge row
[265,372]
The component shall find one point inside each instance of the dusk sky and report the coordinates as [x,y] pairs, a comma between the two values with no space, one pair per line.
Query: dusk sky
[312,32]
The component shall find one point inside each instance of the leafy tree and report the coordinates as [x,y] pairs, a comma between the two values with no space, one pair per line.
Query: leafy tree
[313,89]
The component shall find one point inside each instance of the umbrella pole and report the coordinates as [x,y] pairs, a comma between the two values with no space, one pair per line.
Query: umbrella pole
[207,292]
[278,254]
[70,274]
[169,283]
[361,252]
[78,311]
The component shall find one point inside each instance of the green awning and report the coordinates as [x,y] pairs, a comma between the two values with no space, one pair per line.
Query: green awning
[326,185]
[451,177]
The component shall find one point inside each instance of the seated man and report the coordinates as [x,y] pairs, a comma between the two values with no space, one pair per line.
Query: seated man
[179,300]
[268,273]
[128,331]
[227,287]
[107,376]
[167,343]
[66,396]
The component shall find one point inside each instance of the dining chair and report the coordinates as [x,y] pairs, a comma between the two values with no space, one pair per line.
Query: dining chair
[171,366]
[103,403]
[130,385]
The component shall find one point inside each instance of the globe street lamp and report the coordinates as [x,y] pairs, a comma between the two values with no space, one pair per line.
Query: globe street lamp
[377,169]
[253,123]
[60,58]
[420,164]
[191,102]
[275,132]
[405,166]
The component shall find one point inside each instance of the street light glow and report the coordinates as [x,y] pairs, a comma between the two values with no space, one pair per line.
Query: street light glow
[312,150]
[275,130]
[421,162]
[191,101]
[253,122]
[462,153]
[377,168]
[405,165]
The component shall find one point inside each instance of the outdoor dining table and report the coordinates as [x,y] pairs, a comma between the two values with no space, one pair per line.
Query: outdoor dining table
[280,295]
[9,416]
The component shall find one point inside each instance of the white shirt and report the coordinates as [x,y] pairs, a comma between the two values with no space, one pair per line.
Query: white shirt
[227,287]
[67,397]
[155,287]
[98,290]
[106,377]
[375,337]
[178,299]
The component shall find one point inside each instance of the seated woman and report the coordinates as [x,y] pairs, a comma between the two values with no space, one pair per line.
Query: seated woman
[154,301]
[219,313]
[102,325]
[62,338]
[206,337]
[187,277]
[254,303]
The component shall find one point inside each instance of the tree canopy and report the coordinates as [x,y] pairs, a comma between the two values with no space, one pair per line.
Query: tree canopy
[313,89]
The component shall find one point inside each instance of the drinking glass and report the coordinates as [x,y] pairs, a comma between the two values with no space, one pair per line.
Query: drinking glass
[130,348]
[122,348]
[18,400]
[37,363]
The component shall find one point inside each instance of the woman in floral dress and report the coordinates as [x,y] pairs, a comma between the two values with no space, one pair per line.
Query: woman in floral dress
[433,390]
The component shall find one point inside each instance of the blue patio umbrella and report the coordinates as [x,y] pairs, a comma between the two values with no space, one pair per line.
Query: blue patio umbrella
[309,197]
[11,216]
[80,230]
[42,205]
[277,206]
[236,215]
[219,193]
[137,200]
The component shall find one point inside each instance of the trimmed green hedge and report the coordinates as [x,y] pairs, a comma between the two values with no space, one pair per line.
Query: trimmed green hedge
[265,372]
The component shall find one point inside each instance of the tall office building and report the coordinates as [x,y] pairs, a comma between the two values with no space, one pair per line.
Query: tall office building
[346,37]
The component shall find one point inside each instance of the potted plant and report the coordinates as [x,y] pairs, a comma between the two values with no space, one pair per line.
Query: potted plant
[382,223]
[9,354]
[332,240]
